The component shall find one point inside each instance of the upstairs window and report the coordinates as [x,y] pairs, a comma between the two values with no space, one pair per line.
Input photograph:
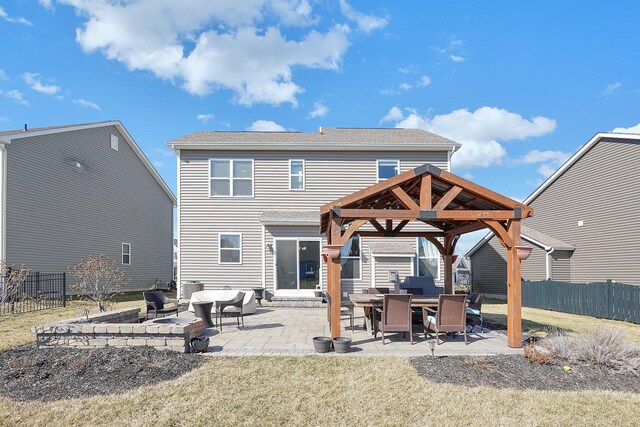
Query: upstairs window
[230,248]
[126,254]
[296,174]
[231,178]
[350,258]
[428,259]
[388,169]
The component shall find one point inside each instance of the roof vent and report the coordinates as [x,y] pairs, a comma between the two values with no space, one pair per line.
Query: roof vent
[320,130]
[25,128]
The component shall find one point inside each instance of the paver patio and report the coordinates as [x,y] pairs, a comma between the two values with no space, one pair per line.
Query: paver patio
[290,331]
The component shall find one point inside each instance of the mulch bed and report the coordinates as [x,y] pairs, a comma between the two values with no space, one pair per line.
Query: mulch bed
[517,372]
[47,374]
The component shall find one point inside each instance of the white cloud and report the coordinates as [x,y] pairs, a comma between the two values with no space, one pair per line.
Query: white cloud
[632,129]
[47,4]
[394,115]
[15,95]
[366,23]
[14,20]
[410,69]
[456,58]
[266,126]
[479,131]
[319,110]
[546,169]
[210,45]
[405,86]
[612,88]
[551,160]
[205,118]
[36,84]
[3,118]
[87,104]
[3,75]
[424,81]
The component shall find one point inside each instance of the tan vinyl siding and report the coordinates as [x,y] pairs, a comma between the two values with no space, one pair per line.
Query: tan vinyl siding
[561,266]
[599,189]
[534,267]
[383,265]
[328,176]
[58,213]
[489,269]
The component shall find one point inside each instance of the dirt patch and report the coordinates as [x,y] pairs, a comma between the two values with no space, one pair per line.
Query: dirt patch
[516,372]
[47,374]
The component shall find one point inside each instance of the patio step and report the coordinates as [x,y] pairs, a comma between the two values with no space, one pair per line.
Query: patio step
[298,302]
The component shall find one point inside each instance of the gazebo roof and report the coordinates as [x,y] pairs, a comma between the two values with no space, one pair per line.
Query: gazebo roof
[430,195]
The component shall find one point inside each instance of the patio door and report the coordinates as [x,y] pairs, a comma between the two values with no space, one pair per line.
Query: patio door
[297,265]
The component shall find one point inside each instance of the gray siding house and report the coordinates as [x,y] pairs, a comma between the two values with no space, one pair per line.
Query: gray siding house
[248,206]
[585,226]
[68,192]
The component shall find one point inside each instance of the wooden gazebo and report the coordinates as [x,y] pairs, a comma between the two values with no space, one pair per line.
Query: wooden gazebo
[444,206]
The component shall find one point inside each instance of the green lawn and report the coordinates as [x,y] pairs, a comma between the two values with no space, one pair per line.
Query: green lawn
[322,391]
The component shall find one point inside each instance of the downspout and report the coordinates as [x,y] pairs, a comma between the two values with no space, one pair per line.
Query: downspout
[178,214]
[264,257]
[3,203]
[549,263]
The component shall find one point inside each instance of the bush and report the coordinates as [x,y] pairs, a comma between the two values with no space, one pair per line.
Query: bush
[604,347]
[540,357]
[98,279]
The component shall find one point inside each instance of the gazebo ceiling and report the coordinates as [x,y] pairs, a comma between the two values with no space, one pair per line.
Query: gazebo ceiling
[453,202]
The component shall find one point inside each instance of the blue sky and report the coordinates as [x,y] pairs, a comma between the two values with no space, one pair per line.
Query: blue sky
[521,84]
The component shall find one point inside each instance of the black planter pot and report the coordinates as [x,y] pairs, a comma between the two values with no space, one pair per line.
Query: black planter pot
[342,344]
[199,345]
[321,344]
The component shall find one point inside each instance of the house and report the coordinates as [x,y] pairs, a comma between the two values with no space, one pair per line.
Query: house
[585,226]
[248,207]
[461,271]
[69,192]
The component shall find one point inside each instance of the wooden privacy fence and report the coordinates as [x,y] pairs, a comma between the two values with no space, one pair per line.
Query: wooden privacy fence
[38,292]
[609,300]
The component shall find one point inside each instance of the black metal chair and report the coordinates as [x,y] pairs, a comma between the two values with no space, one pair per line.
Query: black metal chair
[474,309]
[346,306]
[232,308]
[156,301]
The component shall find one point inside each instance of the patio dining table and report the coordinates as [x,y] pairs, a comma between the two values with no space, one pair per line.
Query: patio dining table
[375,301]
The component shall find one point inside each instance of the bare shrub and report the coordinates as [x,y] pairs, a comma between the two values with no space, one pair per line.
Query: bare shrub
[11,279]
[604,347]
[98,279]
[535,355]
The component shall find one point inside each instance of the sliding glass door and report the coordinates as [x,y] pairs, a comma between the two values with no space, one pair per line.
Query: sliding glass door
[297,264]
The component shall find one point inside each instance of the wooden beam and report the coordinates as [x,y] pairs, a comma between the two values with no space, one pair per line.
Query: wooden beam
[467,228]
[389,225]
[400,226]
[500,232]
[425,192]
[412,214]
[334,282]
[404,198]
[514,291]
[437,244]
[353,227]
[412,234]
[377,225]
[447,198]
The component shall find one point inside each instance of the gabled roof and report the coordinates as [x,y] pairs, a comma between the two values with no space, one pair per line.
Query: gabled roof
[557,174]
[326,139]
[7,137]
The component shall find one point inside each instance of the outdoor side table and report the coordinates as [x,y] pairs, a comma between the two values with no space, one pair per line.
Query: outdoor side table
[202,310]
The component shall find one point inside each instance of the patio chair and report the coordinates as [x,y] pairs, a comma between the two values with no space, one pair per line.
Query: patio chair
[232,308]
[367,311]
[474,309]
[156,302]
[450,317]
[345,306]
[395,315]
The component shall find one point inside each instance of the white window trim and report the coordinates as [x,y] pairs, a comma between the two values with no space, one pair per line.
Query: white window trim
[296,291]
[231,178]
[220,248]
[123,253]
[353,279]
[417,270]
[303,175]
[389,161]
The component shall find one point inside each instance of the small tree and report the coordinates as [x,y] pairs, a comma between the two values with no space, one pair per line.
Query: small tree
[98,279]
[11,279]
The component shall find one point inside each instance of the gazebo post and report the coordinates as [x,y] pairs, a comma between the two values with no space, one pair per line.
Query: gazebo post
[514,284]
[448,274]
[333,279]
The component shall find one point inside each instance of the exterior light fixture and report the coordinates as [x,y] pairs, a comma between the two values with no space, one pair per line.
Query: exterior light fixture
[331,251]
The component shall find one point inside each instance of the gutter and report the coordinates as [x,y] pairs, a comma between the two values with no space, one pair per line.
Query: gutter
[3,203]
[324,146]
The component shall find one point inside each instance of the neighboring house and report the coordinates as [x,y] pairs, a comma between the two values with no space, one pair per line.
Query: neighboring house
[585,223]
[248,206]
[462,271]
[68,192]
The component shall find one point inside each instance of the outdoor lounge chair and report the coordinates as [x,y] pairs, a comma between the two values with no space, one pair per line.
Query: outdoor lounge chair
[232,308]
[395,315]
[346,307]
[156,302]
[450,317]
[475,307]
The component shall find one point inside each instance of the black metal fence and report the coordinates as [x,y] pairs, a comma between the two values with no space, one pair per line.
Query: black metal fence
[38,292]
[609,300]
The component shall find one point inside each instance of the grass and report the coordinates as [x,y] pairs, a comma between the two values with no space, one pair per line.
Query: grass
[324,391]
[321,390]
